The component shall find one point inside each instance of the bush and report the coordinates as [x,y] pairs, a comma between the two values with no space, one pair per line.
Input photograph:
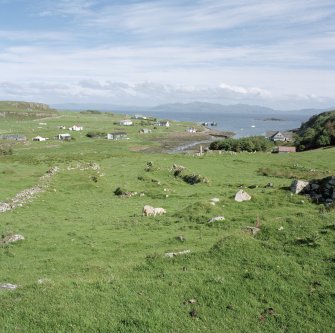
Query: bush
[318,131]
[194,179]
[96,134]
[249,144]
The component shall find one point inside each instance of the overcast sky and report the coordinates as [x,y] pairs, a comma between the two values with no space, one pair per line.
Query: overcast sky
[278,53]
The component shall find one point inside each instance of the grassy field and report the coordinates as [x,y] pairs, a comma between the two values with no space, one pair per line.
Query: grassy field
[90,261]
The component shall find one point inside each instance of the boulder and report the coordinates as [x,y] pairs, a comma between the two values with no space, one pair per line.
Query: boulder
[174,254]
[217,218]
[298,186]
[242,196]
[215,200]
[7,286]
[11,239]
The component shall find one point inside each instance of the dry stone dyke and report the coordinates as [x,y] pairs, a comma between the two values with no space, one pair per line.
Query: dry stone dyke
[319,190]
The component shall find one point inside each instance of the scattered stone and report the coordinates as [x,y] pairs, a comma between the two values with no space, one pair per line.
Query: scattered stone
[177,169]
[7,286]
[215,200]
[298,186]
[192,301]
[242,196]
[181,238]
[253,230]
[43,281]
[217,218]
[212,203]
[269,185]
[174,254]
[193,313]
[280,228]
[11,239]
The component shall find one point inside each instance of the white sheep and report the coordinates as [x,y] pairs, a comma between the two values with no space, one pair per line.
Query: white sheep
[148,211]
[159,211]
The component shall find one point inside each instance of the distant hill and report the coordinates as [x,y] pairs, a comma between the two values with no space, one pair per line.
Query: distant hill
[203,107]
[16,109]
[318,131]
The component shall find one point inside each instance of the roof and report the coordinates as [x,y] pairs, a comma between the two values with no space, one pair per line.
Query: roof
[271,134]
[286,149]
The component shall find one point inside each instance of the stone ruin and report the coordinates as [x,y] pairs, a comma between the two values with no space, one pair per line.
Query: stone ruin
[319,190]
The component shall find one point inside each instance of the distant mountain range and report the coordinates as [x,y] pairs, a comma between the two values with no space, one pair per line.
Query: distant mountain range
[195,107]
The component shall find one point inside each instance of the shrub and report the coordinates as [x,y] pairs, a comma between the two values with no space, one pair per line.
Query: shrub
[96,134]
[250,144]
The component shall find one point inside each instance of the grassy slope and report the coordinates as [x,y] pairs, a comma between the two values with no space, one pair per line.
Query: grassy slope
[103,263]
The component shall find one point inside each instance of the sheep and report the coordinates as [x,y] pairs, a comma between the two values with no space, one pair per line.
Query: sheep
[148,211]
[151,211]
[159,211]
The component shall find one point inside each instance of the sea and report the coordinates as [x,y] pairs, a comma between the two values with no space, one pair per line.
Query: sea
[243,125]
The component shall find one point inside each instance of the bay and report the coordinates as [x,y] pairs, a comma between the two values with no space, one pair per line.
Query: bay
[242,125]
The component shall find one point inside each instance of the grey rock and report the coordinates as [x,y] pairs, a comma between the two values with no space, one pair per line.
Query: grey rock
[217,218]
[11,239]
[298,186]
[7,286]
[242,196]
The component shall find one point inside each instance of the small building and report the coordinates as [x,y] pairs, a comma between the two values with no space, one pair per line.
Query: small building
[163,123]
[284,149]
[145,131]
[39,138]
[191,130]
[126,122]
[64,137]
[117,136]
[279,136]
[15,137]
[76,128]
[139,116]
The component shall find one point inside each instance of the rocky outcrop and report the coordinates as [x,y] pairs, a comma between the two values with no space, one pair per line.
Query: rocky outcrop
[319,190]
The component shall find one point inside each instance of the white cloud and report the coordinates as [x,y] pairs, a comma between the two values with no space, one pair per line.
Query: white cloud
[150,93]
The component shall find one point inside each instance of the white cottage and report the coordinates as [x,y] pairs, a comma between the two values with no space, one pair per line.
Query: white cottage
[126,122]
[39,138]
[76,128]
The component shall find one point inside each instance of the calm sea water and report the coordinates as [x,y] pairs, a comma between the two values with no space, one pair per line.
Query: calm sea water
[241,124]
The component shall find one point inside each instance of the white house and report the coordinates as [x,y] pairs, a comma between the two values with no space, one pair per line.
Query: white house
[126,122]
[139,116]
[145,131]
[117,136]
[39,138]
[279,136]
[164,123]
[76,128]
[64,137]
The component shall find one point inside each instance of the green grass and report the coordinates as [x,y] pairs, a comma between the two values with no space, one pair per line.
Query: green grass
[102,263]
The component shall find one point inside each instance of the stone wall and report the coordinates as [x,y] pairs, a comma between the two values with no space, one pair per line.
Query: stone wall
[319,190]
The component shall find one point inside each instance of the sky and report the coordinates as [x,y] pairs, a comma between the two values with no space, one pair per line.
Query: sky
[276,53]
